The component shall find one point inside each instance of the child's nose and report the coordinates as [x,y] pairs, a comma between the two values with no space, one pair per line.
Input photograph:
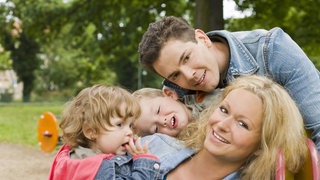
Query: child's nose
[129,132]
[165,122]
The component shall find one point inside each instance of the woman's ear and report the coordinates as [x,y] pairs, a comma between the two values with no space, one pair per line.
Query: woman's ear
[170,93]
[88,132]
[202,37]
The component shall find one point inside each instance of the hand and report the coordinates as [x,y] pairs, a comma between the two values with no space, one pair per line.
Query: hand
[136,148]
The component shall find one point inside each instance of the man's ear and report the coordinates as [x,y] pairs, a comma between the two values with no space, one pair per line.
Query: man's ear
[202,36]
[88,132]
[170,93]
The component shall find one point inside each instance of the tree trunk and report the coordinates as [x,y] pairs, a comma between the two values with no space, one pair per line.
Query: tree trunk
[209,15]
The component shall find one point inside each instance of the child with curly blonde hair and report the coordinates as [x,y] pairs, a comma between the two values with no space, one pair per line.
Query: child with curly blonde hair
[97,134]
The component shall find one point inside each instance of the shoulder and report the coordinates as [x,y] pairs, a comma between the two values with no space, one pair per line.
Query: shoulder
[169,150]
[163,146]
[157,140]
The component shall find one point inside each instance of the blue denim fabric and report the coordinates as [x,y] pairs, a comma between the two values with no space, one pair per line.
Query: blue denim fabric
[171,153]
[274,54]
[123,167]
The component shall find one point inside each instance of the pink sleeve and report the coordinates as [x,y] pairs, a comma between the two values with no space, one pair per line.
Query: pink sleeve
[63,167]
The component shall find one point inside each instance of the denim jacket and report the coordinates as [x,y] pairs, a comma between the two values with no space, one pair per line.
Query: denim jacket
[171,153]
[122,167]
[275,55]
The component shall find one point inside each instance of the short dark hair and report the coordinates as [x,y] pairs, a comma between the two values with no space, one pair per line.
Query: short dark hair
[160,32]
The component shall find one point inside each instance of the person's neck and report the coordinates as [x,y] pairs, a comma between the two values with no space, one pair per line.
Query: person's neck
[204,166]
[221,47]
[212,166]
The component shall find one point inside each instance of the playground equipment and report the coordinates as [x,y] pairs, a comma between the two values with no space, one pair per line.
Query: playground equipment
[310,169]
[48,137]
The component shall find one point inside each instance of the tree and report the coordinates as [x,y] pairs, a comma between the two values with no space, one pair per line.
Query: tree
[22,47]
[209,15]
[24,51]
[86,42]
[5,61]
[118,27]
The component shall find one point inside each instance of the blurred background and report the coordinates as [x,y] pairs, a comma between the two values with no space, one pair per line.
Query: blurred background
[51,49]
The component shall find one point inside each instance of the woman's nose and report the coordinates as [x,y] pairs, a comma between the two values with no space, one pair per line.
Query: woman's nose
[225,124]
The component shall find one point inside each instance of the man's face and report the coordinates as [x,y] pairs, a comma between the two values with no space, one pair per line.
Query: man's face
[190,65]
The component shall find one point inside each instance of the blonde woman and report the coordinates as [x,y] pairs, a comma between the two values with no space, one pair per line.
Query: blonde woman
[238,139]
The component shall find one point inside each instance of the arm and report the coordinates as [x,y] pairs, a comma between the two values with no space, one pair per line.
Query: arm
[143,165]
[291,68]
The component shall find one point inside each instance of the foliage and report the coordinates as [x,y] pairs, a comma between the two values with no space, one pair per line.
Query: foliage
[5,61]
[104,36]
[70,68]
[23,50]
[91,41]
[25,61]
[86,42]
[299,20]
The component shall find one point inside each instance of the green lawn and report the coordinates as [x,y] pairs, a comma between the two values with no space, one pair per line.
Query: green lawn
[18,122]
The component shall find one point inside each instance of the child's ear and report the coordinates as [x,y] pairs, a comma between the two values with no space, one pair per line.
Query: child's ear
[170,93]
[88,132]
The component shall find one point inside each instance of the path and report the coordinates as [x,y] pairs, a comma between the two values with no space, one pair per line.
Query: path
[23,162]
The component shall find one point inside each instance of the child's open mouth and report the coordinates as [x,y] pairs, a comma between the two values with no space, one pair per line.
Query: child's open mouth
[174,122]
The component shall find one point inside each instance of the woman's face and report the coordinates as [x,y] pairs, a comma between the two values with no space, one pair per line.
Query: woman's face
[234,128]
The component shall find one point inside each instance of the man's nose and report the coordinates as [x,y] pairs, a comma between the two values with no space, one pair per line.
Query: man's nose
[188,72]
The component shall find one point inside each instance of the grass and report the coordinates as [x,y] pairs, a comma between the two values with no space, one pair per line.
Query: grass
[18,121]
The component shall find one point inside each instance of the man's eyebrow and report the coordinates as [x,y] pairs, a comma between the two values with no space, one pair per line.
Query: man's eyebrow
[179,63]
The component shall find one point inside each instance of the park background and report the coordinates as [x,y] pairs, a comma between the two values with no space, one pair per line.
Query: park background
[51,49]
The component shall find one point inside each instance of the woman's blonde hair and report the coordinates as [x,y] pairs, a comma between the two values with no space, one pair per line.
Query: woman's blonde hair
[282,127]
[94,106]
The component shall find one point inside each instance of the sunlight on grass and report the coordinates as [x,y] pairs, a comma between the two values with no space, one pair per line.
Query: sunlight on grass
[18,122]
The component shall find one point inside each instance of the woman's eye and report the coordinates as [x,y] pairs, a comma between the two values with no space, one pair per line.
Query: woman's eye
[243,124]
[223,110]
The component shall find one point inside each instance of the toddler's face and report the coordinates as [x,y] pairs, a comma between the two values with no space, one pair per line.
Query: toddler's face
[162,115]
